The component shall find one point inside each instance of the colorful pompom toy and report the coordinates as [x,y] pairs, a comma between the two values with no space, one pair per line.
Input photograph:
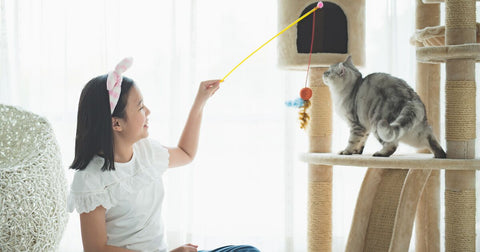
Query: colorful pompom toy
[302,103]
[305,94]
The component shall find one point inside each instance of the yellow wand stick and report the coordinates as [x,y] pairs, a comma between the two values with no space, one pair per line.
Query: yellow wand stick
[319,5]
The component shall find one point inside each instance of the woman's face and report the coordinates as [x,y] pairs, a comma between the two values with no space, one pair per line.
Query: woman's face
[135,123]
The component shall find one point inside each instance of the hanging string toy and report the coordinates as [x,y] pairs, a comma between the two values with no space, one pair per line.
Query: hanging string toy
[303,103]
[306,93]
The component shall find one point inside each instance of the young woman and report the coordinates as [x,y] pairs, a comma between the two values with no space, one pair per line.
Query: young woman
[118,188]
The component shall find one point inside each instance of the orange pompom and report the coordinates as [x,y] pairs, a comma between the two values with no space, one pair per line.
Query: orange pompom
[306,93]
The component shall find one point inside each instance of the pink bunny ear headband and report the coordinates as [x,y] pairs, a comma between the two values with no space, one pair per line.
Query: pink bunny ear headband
[114,81]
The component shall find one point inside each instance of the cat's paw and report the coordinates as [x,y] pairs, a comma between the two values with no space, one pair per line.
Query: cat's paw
[440,154]
[345,152]
[358,151]
[381,154]
[351,152]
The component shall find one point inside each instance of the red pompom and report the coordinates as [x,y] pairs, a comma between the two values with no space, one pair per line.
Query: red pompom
[320,5]
[306,93]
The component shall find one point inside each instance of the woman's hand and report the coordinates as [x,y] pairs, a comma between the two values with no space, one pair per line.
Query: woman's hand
[186,248]
[206,90]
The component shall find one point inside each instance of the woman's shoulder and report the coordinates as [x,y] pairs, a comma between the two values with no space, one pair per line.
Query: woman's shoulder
[152,151]
[89,188]
[92,178]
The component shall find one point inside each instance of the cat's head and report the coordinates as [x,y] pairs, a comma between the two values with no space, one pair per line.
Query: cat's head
[341,74]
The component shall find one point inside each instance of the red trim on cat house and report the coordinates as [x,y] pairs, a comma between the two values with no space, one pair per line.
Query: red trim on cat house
[339,31]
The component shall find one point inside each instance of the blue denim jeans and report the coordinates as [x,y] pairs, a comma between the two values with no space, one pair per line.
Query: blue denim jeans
[240,248]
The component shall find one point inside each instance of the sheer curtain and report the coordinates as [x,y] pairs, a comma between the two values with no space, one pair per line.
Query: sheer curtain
[246,185]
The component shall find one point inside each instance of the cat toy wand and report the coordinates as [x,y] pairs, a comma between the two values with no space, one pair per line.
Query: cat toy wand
[319,6]
[303,103]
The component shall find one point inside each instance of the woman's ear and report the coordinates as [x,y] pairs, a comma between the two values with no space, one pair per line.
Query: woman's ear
[116,125]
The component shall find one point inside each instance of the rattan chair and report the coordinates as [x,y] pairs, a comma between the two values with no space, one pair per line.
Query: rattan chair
[33,187]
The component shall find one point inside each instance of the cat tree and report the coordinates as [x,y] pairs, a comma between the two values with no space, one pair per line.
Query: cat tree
[391,193]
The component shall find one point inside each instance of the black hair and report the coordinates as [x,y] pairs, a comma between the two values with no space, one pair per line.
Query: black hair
[94,123]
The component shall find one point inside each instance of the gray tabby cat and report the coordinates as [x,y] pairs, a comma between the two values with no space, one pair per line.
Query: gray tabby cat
[380,104]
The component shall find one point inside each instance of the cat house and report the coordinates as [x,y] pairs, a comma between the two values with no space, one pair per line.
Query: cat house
[339,31]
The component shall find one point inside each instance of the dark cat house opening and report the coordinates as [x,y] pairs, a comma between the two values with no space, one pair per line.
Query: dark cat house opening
[331,34]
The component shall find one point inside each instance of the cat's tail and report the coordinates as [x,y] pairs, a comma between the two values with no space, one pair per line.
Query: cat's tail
[390,132]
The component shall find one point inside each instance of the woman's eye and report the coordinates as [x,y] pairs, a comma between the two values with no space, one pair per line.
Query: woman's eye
[141,107]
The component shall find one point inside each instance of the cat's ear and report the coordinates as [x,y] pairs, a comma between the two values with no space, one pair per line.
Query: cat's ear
[342,69]
[348,61]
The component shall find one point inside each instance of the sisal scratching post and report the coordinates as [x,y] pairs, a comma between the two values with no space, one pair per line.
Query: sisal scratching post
[384,210]
[320,176]
[427,226]
[460,28]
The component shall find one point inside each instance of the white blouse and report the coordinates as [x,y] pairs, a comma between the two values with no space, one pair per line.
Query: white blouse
[132,196]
